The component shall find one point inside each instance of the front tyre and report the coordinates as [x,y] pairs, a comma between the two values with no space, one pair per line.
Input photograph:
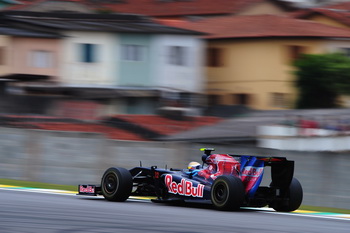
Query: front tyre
[116,184]
[294,196]
[227,193]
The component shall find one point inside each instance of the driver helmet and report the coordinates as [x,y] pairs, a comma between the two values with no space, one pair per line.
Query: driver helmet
[193,165]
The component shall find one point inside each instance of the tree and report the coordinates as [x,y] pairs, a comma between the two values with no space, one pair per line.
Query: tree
[321,79]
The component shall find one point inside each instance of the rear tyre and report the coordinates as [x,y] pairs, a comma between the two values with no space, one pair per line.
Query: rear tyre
[116,184]
[293,196]
[227,193]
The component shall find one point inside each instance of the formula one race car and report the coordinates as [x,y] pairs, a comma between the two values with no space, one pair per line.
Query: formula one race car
[227,181]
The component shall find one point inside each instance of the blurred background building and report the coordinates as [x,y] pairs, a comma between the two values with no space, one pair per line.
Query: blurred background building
[126,63]
[149,57]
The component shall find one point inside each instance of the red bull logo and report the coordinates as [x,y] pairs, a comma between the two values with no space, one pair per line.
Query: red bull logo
[87,189]
[250,175]
[185,187]
[252,171]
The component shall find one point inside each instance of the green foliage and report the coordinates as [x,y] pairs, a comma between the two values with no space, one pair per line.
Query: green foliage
[321,79]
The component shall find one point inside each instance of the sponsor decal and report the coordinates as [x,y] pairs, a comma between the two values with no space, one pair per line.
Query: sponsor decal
[184,188]
[250,171]
[87,189]
[251,174]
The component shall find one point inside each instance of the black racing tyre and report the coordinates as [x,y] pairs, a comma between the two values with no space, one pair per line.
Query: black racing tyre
[227,193]
[295,196]
[116,184]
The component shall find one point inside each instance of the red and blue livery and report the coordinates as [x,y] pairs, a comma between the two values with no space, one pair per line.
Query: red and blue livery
[228,181]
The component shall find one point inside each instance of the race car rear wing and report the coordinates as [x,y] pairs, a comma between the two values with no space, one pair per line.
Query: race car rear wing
[282,170]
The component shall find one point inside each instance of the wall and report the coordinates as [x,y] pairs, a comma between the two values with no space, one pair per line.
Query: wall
[265,7]
[5,54]
[188,77]
[74,157]
[22,47]
[24,104]
[258,67]
[327,21]
[101,72]
[135,73]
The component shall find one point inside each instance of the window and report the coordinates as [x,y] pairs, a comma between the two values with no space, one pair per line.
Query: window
[295,52]
[178,55]
[346,51]
[186,99]
[213,100]
[132,52]
[2,56]
[278,100]
[41,59]
[214,57]
[88,53]
[241,99]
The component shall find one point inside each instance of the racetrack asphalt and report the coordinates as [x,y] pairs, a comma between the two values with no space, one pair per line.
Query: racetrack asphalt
[297,212]
[32,212]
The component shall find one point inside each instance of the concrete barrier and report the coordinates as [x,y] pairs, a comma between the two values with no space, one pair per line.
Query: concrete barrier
[296,139]
[76,157]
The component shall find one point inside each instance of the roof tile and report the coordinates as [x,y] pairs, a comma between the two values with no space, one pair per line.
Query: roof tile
[163,8]
[176,8]
[338,12]
[259,26]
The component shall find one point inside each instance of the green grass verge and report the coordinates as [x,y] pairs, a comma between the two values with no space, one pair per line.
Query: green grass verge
[31,184]
[325,209]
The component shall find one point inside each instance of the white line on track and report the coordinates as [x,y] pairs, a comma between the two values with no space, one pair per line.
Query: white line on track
[335,216]
[47,191]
